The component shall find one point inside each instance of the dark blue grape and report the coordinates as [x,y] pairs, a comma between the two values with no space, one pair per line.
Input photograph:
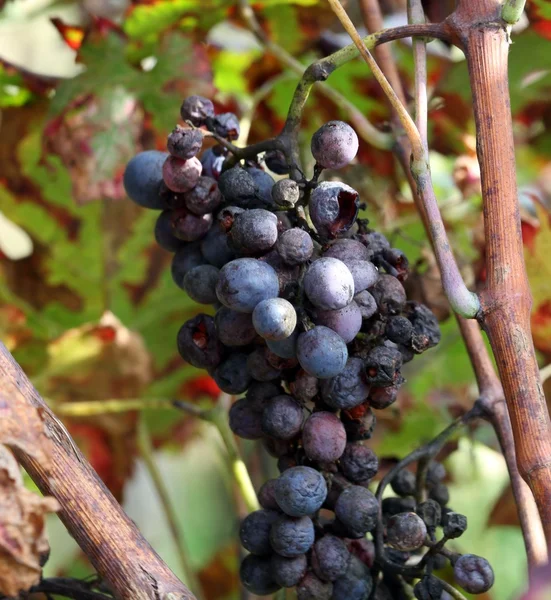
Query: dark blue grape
[232,375]
[321,352]
[286,348]
[330,558]
[359,463]
[289,571]
[212,163]
[237,186]
[364,273]
[349,388]
[323,437]
[329,284]
[286,193]
[185,259]
[473,573]
[254,532]
[300,491]
[259,366]
[234,328]
[256,575]
[277,162]
[189,227]
[143,177]
[334,145]
[292,536]
[264,183]
[389,294]
[305,387]
[254,231]
[295,246]
[346,321]
[215,248]
[197,110]
[282,418]
[198,342]
[226,125]
[312,588]
[204,198]
[266,495]
[357,509]
[164,235]
[347,250]
[274,319]
[200,284]
[355,584]
[333,208]
[245,282]
[246,418]
[382,366]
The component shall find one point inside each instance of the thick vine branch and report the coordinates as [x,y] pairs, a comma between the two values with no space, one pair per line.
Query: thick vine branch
[506,301]
[88,510]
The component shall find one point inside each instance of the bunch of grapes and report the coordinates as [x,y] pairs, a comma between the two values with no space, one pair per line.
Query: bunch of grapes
[312,326]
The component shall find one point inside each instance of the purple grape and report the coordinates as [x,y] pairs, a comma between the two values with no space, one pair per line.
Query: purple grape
[185,259]
[329,284]
[215,248]
[254,231]
[204,198]
[226,125]
[346,321]
[256,575]
[185,143]
[376,243]
[274,319]
[349,388]
[389,294]
[347,250]
[264,183]
[300,491]
[403,484]
[305,387]
[334,145]
[143,177]
[212,163]
[259,367]
[181,175]
[394,506]
[254,532]
[321,352]
[197,110]
[289,571]
[237,186]
[357,509]
[292,536]
[333,208]
[245,282]
[277,162]
[364,273]
[312,588]
[406,532]
[473,573]
[286,348]
[323,437]
[164,235]
[189,227]
[359,463]
[232,375]
[295,246]
[382,366]
[234,328]
[282,418]
[356,583]
[266,495]
[171,200]
[227,215]
[286,274]
[286,193]
[200,284]
[383,397]
[425,325]
[399,330]
[198,343]
[260,392]
[245,419]
[330,558]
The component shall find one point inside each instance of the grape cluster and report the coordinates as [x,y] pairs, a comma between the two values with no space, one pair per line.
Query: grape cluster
[312,326]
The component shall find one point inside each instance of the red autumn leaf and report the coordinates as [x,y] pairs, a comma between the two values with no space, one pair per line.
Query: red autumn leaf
[72,35]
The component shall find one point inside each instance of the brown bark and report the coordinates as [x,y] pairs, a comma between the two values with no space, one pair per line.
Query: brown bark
[112,542]
[506,300]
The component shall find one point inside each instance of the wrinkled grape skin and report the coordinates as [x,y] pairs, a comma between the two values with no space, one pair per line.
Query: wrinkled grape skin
[189,227]
[323,437]
[300,491]
[245,282]
[366,303]
[254,231]
[321,352]
[274,319]
[237,186]
[264,183]
[358,509]
[197,109]
[200,284]
[346,321]
[330,558]
[181,175]
[245,419]
[259,366]
[226,125]
[286,193]
[292,536]
[382,366]
[254,532]
[185,143]
[282,418]
[232,375]
[389,294]
[334,145]
[288,572]
[234,328]
[333,208]
[143,177]
[355,584]
[295,246]
[349,388]
[286,348]
[347,250]
[266,495]
[359,463]
[329,284]
[198,342]
[215,248]
[364,273]
[473,573]
[256,575]
[312,588]
[204,198]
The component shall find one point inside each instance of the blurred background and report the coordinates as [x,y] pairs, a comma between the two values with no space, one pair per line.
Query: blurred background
[87,302]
